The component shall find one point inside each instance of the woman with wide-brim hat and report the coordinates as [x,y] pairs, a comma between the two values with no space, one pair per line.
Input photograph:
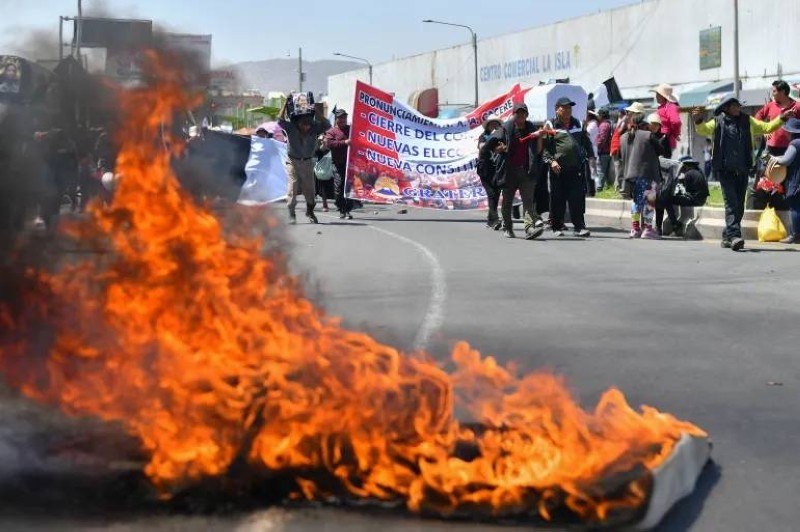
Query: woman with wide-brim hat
[486,171]
[791,161]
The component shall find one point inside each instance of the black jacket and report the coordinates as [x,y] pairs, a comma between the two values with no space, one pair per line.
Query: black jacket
[722,149]
[508,134]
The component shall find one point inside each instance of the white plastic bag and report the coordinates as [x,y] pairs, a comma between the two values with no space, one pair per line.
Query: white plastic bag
[324,168]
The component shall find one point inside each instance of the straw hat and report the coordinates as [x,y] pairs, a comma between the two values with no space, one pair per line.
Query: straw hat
[665,90]
[490,119]
[653,118]
[636,108]
[775,172]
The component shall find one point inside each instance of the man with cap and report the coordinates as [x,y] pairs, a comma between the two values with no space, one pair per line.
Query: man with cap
[337,139]
[487,170]
[567,151]
[732,132]
[518,149]
[669,113]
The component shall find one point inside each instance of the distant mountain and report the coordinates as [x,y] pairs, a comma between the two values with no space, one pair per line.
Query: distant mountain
[281,74]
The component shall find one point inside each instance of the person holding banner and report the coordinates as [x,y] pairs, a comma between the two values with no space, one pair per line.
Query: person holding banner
[567,152]
[338,140]
[487,171]
[518,149]
[301,136]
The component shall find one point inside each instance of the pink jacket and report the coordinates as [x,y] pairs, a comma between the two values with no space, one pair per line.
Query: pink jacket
[670,122]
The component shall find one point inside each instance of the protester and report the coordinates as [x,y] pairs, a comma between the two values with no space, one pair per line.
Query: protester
[325,187]
[487,171]
[301,136]
[604,175]
[669,113]
[566,152]
[663,149]
[518,148]
[619,129]
[732,158]
[778,141]
[791,160]
[707,167]
[642,170]
[591,125]
[338,140]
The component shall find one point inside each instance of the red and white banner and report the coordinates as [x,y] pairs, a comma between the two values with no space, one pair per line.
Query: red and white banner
[397,155]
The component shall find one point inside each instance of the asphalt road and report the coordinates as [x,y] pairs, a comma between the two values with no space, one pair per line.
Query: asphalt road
[707,334]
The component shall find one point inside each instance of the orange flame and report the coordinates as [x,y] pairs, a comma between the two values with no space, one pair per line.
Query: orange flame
[207,352]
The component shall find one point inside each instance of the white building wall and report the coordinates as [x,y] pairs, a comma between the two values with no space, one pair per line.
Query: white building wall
[641,45]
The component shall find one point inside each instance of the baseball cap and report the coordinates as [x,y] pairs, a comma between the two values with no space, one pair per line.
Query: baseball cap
[564,101]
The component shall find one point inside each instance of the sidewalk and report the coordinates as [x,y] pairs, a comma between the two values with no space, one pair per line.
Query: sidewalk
[709,221]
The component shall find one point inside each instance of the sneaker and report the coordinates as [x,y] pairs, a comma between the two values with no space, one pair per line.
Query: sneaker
[582,233]
[535,231]
[679,230]
[508,233]
[292,218]
[558,232]
[342,216]
[324,209]
[737,244]
[650,234]
[725,244]
[312,218]
[349,216]
[635,233]
[791,239]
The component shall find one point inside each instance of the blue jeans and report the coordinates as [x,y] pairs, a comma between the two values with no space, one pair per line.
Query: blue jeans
[795,212]
[603,176]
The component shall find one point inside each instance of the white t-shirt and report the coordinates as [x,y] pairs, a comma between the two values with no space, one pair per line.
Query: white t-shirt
[592,130]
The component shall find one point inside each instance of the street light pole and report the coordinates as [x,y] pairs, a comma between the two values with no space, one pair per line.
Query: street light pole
[474,50]
[736,81]
[60,38]
[80,31]
[369,65]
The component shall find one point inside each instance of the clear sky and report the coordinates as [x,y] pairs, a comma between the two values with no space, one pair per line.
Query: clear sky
[244,30]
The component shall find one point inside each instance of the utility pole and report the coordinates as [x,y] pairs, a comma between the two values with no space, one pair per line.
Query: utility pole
[736,80]
[300,71]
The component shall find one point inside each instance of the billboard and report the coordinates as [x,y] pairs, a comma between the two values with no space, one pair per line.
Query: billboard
[10,74]
[197,46]
[711,48]
[114,33]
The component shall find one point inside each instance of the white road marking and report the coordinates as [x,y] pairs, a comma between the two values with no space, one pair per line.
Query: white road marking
[434,317]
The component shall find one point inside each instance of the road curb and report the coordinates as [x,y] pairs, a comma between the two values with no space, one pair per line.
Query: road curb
[709,221]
